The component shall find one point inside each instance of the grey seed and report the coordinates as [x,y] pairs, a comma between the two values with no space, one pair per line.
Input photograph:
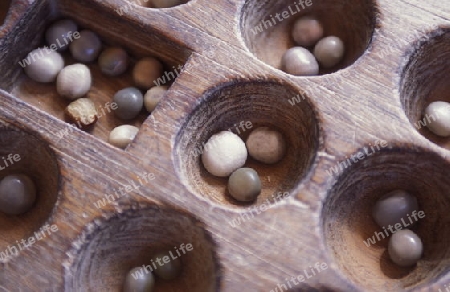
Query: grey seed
[307,31]
[329,51]
[61,34]
[123,135]
[266,145]
[146,72]
[129,103]
[153,96]
[392,207]
[300,62]
[74,81]
[113,61]
[166,3]
[17,194]
[405,248]
[244,185]
[137,282]
[44,65]
[87,47]
[438,113]
[168,267]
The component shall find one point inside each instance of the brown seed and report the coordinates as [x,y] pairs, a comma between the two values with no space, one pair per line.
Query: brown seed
[146,71]
[307,31]
[82,112]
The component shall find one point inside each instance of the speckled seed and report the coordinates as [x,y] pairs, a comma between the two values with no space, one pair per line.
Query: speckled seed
[44,65]
[307,31]
[17,194]
[266,145]
[123,135]
[83,112]
[166,3]
[153,96]
[224,153]
[61,34]
[113,61]
[392,207]
[170,268]
[87,47]
[438,115]
[146,71]
[74,81]
[139,280]
[244,185]
[129,103]
[405,248]
[329,51]
[300,62]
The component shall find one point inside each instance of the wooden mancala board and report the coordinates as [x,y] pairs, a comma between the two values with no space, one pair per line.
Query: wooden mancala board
[308,229]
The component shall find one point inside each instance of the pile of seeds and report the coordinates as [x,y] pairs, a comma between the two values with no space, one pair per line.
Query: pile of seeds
[73,82]
[327,51]
[225,154]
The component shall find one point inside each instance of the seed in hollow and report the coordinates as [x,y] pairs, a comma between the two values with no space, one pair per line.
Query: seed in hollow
[167,267]
[113,61]
[87,47]
[43,65]
[329,51]
[153,97]
[61,34]
[393,207]
[300,62]
[244,184]
[122,136]
[146,72]
[17,194]
[74,81]
[438,116]
[129,103]
[405,248]
[139,279]
[266,145]
[307,31]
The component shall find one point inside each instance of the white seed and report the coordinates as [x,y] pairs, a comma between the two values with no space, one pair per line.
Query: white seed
[405,248]
[307,31]
[146,71]
[300,62]
[224,153]
[123,135]
[44,65]
[74,81]
[329,51]
[438,115]
[153,96]
[266,145]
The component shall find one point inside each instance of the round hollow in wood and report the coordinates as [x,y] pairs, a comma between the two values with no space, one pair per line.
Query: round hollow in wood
[348,224]
[268,36]
[240,107]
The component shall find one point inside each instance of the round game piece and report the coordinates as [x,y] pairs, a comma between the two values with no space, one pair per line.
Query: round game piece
[438,113]
[405,248]
[166,3]
[86,48]
[146,72]
[244,185]
[74,81]
[139,280]
[17,194]
[266,145]
[300,62]
[153,96]
[392,207]
[307,31]
[43,65]
[123,135]
[61,34]
[224,153]
[167,267]
[113,61]
[329,51]
[129,103]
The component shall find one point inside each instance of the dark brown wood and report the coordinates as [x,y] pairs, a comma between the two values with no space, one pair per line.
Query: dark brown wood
[396,62]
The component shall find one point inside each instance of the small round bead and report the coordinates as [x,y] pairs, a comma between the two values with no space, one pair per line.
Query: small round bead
[166,3]
[307,31]
[153,96]
[300,62]
[224,153]
[129,103]
[244,185]
[139,279]
[146,71]
[405,248]
[44,65]
[329,51]
[392,207]
[167,270]
[87,47]
[113,61]
[123,135]
[74,81]
[61,34]
[438,113]
[266,145]
[17,194]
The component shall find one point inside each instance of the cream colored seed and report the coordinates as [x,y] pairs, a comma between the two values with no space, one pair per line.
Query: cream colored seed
[438,115]
[44,65]
[74,81]
[123,135]
[153,97]
[82,112]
